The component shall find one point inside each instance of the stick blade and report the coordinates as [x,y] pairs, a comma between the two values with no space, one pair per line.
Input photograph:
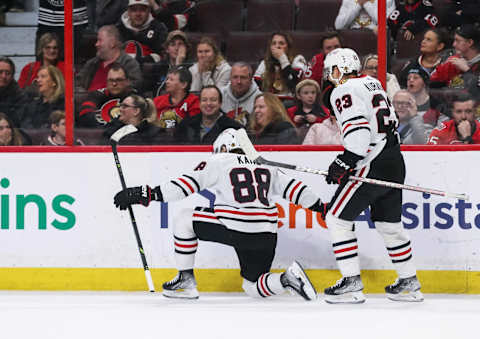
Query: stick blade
[246,144]
[121,132]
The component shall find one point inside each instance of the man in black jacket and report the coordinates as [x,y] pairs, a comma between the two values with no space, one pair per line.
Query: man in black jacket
[11,95]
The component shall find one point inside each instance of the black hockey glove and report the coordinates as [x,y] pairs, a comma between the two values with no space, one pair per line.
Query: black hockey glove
[342,167]
[320,207]
[136,195]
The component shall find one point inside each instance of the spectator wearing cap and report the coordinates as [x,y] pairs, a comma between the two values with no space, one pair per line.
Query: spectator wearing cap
[93,74]
[142,35]
[461,70]
[411,127]
[177,50]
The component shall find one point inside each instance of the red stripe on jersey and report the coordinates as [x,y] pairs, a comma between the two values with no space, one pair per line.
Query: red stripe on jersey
[275,214]
[262,283]
[352,185]
[185,246]
[204,216]
[346,249]
[348,125]
[293,190]
[187,184]
[402,253]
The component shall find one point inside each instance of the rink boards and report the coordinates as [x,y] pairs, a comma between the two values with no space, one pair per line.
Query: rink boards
[59,229]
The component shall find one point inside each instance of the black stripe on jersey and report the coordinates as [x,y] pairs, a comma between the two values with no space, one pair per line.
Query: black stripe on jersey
[299,194]
[183,190]
[344,242]
[396,261]
[347,256]
[353,119]
[266,284]
[236,208]
[194,181]
[248,220]
[356,129]
[260,291]
[286,188]
[183,239]
[183,252]
[398,247]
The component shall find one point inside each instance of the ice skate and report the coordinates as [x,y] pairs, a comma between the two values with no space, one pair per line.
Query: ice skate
[347,290]
[296,281]
[405,289]
[183,286]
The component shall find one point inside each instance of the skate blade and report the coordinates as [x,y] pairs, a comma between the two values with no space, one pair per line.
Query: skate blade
[415,296]
[181,294]
[347,298]
[308,289]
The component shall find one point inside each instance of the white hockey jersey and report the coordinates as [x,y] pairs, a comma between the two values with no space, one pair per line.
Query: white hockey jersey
[243,192]
[364,115]
[353,16]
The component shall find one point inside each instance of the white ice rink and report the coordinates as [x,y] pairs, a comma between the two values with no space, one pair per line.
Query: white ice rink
[139,315]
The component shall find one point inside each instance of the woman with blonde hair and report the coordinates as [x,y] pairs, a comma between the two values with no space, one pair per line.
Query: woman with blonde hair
[210,68]
[51,89]
[370,67]
[281,69]
[48,53]
[270,124]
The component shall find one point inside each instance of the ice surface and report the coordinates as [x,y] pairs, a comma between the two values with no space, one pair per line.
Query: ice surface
[139,315]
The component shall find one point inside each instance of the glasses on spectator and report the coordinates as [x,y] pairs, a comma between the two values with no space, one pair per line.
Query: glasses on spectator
[123,105]
[116,81]
[402,103]
[6,72]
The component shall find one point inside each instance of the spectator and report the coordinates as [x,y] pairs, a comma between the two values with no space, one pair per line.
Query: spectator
[463,12]
[432,53]
[205,127]
[57,128]
[177,54]
[51,89]
[240,92]
[210,68]
[176,14]
[271,124]
[329,42]
[360,14]
[11,136]
[325,133]
[137,111]
[307,110]
[102,105]
[143,36]
[412,17]
[47,54]
[93,75]
[370,67]
[462,128]
[178,103]
[463,69]
[108,12]
[411,127]
[11,95]
[281,69]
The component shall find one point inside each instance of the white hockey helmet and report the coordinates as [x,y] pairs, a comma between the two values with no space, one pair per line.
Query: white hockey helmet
[226,141]
[346,60]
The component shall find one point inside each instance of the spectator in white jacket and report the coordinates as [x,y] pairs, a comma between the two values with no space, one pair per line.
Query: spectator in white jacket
[325,133]
[357,14]
[210,68]
[240,93]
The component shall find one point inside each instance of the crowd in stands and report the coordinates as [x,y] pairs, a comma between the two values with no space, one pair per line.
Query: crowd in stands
[168,67]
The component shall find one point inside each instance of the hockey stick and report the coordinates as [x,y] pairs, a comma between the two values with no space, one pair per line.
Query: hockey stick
[114,139]
[252,153]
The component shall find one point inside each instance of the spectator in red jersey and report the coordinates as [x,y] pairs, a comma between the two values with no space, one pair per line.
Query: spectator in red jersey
[178,103]
[102,105]
[143,36]
[239,94]
[93,75]
[462,128]
[176,14]
[463,69]
[329,42]
[412,17]
[48,53]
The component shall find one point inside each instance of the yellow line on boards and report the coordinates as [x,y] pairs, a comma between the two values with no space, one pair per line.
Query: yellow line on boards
[212,280]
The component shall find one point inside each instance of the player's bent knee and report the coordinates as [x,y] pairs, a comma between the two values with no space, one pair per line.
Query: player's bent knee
[251,289]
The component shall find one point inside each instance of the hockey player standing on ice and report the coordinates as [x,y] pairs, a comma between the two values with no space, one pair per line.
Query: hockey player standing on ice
[244,217]
[368,125]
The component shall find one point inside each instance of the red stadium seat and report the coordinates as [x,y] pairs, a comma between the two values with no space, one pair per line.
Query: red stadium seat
[307,43]
[220,16]
[246,46]
[270,15]
[317,15]
[363,41]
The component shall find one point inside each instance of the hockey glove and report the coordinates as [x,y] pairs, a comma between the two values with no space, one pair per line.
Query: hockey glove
[320,207]
[342,167]
[136,195]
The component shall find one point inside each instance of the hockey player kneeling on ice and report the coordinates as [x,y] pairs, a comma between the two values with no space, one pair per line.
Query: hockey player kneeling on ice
[369,134]
[243,217]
